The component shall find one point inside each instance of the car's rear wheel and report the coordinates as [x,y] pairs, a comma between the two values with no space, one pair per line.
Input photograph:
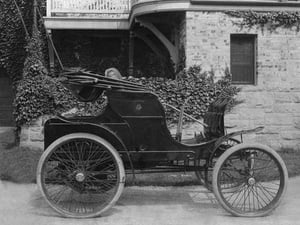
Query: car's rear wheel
[81,175]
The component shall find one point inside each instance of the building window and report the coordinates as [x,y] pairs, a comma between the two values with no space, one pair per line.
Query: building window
[242,58]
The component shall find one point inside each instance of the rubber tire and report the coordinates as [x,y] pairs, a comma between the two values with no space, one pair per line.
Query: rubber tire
[227,154]
[95,138]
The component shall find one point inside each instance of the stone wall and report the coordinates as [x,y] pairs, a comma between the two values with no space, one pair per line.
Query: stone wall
[33,135]
[274,102]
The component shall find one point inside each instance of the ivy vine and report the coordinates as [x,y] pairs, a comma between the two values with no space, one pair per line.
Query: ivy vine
[273,19]
[13,35]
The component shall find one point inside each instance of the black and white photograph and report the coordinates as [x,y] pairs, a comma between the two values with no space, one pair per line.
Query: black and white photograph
[149,112]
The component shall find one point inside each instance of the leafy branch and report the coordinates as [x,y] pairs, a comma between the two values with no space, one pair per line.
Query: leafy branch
[274,19]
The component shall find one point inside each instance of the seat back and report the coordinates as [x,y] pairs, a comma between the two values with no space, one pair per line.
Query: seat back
[214,118]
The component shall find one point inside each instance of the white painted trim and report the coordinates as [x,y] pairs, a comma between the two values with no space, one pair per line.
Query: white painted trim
[89,11]
[58,23]
[158,6]
[49,2]
[270,3]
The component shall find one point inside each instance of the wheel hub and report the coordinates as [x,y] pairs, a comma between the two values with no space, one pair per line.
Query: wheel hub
[251,181]
[80,177]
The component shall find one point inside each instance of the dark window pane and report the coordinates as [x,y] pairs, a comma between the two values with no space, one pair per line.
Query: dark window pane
[243,58]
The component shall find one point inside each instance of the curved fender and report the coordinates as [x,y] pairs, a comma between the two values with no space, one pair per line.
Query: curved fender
[220,140]
[217,145]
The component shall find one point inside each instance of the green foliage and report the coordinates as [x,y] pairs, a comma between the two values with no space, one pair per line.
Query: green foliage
[64,100]
[40,94]
[34,62]
[13,37]
[195,84]
[37,93]
[274,19]
[33,96]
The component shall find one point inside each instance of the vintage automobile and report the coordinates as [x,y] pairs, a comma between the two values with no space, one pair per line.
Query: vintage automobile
[82,171]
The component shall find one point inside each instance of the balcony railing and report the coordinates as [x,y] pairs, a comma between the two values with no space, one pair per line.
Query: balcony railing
[122,7]
[88,6]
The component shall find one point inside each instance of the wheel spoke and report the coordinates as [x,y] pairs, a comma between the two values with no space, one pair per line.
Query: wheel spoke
[270,194]
[258,197]
[58,193]
[68,153]
[94,153]
[245,198]
[99,162]
[61,171]
[62,161]
[243,189]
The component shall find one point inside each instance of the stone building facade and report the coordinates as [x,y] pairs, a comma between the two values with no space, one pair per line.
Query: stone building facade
[273,100]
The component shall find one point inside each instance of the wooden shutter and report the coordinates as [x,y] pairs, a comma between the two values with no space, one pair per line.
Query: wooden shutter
[243,58]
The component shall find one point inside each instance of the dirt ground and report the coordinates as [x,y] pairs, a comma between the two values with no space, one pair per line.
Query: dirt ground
[23,205]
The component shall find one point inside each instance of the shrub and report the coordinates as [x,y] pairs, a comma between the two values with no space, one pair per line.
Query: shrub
[33,97]
[44,95]
[192,83]
[39,94]
[13,36]
[64,100]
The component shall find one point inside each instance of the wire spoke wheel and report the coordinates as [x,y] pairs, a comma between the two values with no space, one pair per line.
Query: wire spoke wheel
[205,174]
[250,180]
[81,175]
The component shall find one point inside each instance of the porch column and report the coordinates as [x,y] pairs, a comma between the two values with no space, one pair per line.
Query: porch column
[131,53]
[51,52]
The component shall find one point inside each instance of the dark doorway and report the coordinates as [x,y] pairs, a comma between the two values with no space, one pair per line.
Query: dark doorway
[6,99]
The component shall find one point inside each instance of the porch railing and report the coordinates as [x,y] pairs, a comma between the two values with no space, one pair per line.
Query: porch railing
[111,6]
[88,6]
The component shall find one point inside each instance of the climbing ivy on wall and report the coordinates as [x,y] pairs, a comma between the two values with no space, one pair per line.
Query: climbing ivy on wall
[274,19]
[33,96]
[13,35]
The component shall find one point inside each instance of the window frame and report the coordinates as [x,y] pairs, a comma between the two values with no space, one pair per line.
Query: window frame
[254,39]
